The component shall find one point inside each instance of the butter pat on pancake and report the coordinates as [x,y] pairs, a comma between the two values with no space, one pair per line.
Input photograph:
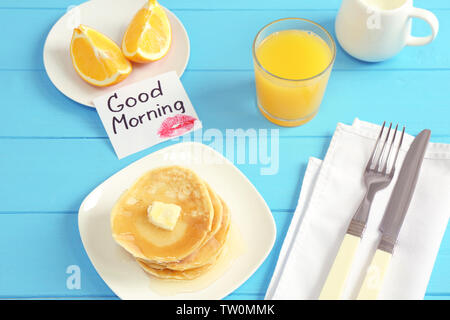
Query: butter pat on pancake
[199,262]
[209,250]
[175,185]
[163,215]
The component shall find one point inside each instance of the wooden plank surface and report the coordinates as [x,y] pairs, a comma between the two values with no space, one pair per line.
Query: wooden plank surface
[52,244]
[227,100]
[220,5]
[221,45]
[54,175]
[53,151]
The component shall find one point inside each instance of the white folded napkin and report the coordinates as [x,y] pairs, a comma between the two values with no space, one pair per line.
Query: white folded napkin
[331,193]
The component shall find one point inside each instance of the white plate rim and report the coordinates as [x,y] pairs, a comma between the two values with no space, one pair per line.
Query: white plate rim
[229,163]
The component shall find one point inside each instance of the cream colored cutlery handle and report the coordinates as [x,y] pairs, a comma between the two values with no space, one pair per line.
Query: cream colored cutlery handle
[334,285]
[374,276]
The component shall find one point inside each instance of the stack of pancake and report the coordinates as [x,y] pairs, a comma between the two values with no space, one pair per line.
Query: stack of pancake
[198,237]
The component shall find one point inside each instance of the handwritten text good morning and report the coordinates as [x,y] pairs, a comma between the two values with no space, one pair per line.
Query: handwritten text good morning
[146,113]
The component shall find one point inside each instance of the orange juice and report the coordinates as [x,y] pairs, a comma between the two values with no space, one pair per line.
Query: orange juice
[292,68]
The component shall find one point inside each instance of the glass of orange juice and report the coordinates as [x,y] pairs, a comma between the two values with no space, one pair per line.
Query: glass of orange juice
[293,59]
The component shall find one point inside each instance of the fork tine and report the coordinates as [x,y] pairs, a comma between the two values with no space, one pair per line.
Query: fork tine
[396,154]
[380,156]
[370,162]
[388,156]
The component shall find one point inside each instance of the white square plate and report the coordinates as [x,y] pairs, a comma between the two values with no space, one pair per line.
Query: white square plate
[249,212]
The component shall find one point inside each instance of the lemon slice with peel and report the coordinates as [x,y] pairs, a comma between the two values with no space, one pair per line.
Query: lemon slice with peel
[96,58]
[149,35]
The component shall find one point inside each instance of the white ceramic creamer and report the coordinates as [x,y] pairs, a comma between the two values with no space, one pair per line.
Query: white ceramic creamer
[376,30]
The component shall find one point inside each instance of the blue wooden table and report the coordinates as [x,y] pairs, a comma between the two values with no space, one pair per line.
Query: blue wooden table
[53,151]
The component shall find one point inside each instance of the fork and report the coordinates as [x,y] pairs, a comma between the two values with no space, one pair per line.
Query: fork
[378,174]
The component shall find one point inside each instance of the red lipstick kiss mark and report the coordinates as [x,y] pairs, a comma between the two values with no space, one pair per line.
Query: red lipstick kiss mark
[176,126]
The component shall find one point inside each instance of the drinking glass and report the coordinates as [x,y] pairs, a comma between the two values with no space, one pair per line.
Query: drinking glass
[290,102]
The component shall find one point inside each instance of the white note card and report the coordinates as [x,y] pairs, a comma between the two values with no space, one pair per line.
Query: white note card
[146,113]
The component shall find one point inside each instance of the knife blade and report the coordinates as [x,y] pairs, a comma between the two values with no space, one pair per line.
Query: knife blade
[403,191]
[394,216]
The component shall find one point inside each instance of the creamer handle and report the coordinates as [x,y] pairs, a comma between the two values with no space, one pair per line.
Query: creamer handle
[431,19]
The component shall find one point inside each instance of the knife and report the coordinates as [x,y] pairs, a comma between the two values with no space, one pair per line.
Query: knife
[394,215]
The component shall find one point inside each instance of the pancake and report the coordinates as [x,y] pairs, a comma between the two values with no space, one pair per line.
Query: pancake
[217,204]
[173,274]
[174,185]
[208,253]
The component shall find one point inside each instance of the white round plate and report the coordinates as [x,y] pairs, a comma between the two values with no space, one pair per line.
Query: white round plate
[249,212]
[112,19]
